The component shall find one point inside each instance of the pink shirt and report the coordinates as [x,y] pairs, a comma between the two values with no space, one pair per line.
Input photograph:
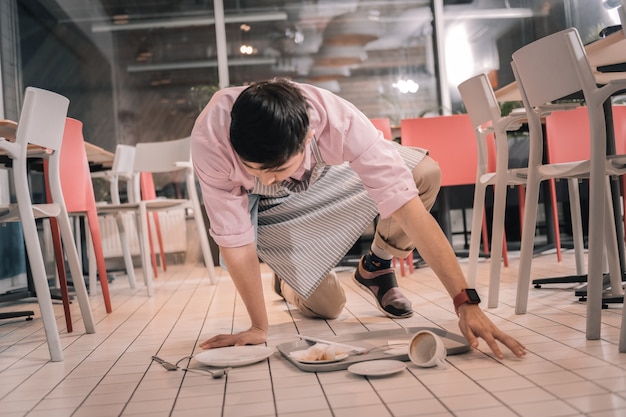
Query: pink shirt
[343,134]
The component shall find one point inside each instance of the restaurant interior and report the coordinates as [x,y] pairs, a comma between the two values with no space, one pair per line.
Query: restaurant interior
[137,73]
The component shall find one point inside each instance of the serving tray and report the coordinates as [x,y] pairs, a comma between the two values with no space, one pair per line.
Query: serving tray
[376,342]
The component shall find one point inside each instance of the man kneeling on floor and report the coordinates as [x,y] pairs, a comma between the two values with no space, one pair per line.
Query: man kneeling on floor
[293,174]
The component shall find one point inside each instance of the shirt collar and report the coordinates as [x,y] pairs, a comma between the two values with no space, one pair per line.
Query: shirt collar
[306,164]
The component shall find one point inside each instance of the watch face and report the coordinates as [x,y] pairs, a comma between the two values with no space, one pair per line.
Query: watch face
[473,296]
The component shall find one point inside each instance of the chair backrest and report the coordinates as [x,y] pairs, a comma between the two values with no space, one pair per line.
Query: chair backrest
[42,118]
[122,170]
[124,159]
[553,67]
[162,156]
[484,111]
[74,169]
[480,100]
[384,125]
[451,142]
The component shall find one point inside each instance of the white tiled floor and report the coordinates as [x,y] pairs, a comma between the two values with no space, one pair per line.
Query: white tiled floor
[110,373]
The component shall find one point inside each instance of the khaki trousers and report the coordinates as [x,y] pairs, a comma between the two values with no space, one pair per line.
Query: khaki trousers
[328,300]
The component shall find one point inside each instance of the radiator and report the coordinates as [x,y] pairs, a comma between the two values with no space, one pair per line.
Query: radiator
[173,232]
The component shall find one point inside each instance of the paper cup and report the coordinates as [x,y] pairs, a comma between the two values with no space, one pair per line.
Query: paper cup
[427,349]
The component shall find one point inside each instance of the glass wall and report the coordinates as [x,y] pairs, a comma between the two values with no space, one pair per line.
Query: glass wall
[141,70]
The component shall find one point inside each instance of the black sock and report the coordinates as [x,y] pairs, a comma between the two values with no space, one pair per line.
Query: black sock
[374,263]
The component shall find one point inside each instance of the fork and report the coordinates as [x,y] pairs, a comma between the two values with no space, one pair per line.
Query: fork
[167,365]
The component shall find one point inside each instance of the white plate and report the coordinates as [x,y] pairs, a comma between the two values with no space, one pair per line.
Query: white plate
[234,355]
[338,358]
[377,367]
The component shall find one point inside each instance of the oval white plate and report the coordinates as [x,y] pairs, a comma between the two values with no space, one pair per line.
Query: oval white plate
[337,358]
[234,355]
[377,367]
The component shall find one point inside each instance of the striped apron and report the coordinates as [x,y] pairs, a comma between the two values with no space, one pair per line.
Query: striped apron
[302,235]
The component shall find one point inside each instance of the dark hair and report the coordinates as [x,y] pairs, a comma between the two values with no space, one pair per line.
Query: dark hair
[269,123]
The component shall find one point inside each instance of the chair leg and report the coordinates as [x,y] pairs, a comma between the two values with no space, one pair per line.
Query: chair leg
[478,221]
[76,271]
[622,180]
[153,261]
[527,244]
[521,201]
[96,239]
[505,251]
[92,265]
[128,259]
[59,260]
[498,243]
[610,237]
[144,233]
[577,225]
[60,265]
[157,227]
[40,280]
[555,217]
[485,234]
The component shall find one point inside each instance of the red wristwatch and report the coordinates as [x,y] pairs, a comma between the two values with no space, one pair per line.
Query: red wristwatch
[466,296]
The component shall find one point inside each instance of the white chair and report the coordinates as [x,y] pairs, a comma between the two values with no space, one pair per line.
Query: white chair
[550,69]
[41,123]
[484,111]
[162,157]
[137,186]
[121,171]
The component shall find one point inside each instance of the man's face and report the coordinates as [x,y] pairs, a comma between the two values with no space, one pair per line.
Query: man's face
[281,173]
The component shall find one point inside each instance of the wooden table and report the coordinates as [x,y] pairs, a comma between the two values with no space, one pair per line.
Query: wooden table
[604,51]
[99,158]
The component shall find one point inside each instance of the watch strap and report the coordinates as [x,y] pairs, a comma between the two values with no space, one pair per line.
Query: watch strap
[463,298]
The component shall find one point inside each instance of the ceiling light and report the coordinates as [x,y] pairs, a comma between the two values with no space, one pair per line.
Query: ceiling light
[246,49]
[168,66]
[406,86]
[188,21]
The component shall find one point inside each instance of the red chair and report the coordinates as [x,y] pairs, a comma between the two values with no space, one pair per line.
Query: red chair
[79,200]
[619,125]
[384,125]
[148,192]
[567,140]
[451,142]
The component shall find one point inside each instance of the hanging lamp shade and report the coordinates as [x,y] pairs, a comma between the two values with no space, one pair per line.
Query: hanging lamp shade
[328,73]
[351,29]
[340,55]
